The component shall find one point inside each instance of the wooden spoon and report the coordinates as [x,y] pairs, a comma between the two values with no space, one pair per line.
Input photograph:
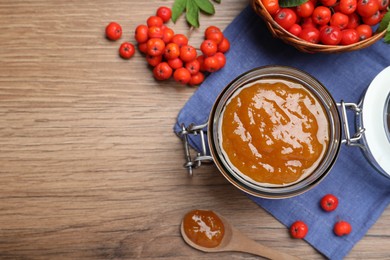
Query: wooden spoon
[235,240]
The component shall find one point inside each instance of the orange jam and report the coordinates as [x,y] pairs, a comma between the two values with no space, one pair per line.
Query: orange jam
[204,228]
[274,131]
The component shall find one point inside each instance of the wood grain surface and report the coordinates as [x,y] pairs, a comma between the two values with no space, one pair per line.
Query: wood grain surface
[89,165]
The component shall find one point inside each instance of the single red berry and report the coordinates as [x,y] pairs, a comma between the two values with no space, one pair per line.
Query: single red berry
[224,46]
[154,60]
[143,47]
[286,17]
[211,29]
[168,34]
[155,32]
[295,29]
[113,31]
[298,229]
[175,63]
[209,47]
[182,75]
[165,13]
[330,35]
[364,31]
[342,228]
[272,6]
[162,71]
[141,33]
[350,36]
[216,36]
[196,79]
[155,46]
[367,8]
[321,15]
[126,50]
[172,51]
[187,53]
[221,58]
[329,202]
[154,21]
[193,66]
[180,39]
[211,64]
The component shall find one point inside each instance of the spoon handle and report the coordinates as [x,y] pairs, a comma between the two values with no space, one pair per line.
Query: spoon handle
[242,243]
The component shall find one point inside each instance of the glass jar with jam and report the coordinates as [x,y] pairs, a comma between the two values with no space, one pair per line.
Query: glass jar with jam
[276,131]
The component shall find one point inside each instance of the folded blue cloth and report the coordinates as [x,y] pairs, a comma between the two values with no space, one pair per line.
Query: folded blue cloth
[363,193]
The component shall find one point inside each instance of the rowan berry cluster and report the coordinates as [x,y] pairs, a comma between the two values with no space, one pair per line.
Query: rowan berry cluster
[171,55]
[330,22]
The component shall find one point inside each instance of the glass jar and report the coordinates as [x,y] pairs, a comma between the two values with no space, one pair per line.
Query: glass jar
[375,146]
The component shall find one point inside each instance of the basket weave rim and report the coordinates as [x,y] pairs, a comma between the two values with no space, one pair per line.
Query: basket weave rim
[297,42]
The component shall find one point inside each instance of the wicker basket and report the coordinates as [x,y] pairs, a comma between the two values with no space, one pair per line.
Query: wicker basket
[304,46]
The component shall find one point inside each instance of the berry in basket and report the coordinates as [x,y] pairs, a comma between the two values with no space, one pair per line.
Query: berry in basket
[326,25]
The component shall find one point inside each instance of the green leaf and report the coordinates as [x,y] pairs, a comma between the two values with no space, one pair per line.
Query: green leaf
[192,13]
[385,22]
[206,6]
[178,8]
[386,39]
[291,3]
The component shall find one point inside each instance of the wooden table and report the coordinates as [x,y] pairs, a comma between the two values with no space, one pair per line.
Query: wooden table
[90,166]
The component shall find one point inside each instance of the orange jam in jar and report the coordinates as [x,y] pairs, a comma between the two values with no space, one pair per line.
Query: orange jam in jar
[204,228]
[274,132]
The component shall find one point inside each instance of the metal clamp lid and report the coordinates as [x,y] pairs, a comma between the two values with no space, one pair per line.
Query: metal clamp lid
[196,161]
[353,140]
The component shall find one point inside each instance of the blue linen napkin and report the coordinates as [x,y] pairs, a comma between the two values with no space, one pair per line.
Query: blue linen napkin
[363,193]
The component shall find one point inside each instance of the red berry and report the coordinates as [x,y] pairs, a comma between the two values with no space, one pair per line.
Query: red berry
[193,66]
[196,79]
[329,202]
[172,51]
[298,229]
[224,46]
[155,46]
[126,50]
[209,47]
[154,60]
[175,63]
[342,228]
[367,8]
[180,39]
[221,59]
[187,53]
[155,32]
[143,47]
[182,75]
[211,29]
[211,64]
[216,36]
[286,17]
[113,31]
[350,36]
[141,33]
[321,15]
[162,71]
[165,13]
[168,34]
[364,31]
[330,35]
[154,21]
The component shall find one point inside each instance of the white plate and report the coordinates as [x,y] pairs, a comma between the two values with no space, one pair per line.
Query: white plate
[374,120]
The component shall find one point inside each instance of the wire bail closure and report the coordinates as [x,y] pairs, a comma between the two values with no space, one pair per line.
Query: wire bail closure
[196,161]
[355,138]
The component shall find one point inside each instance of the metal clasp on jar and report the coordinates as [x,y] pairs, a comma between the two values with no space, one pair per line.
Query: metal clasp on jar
[196,161]
[351,140]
